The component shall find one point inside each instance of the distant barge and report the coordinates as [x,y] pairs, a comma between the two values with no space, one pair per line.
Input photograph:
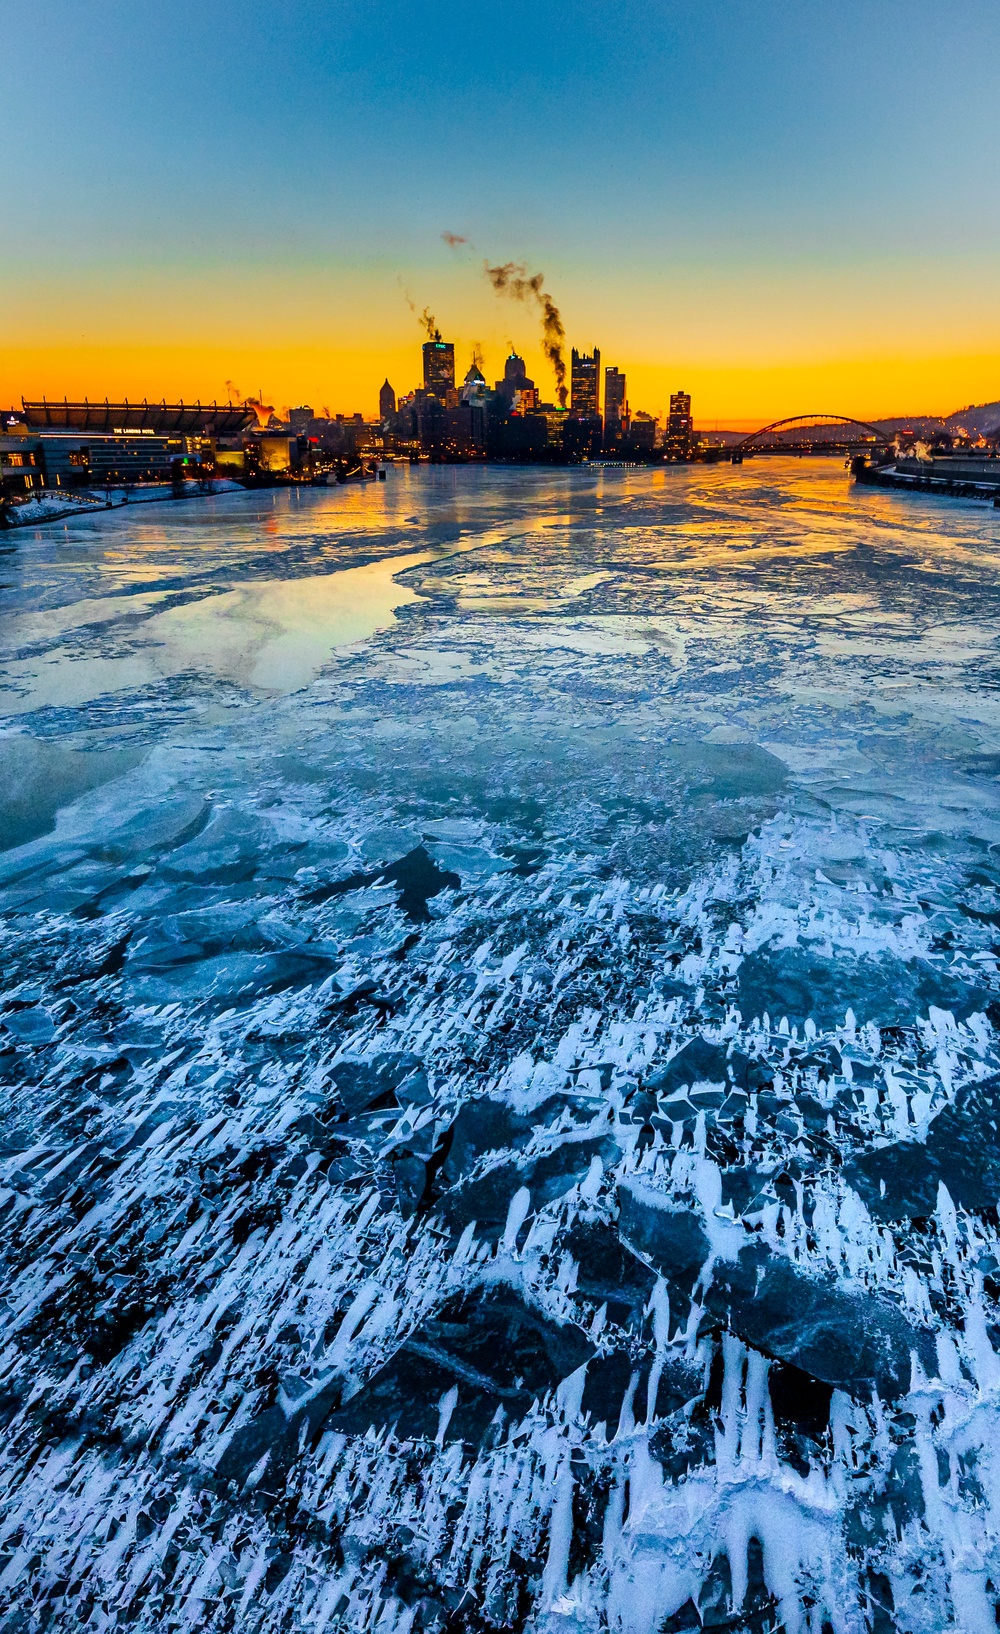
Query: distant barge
[964,476]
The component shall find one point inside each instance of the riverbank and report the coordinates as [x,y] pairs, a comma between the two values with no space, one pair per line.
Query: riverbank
[55,507]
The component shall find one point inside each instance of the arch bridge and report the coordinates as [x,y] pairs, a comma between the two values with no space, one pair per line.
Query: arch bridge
[798,434]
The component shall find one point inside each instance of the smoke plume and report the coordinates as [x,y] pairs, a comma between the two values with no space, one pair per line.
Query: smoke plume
[235,395]
[512,279]
[427,319]
[262,410]
[453,240]
[477,356]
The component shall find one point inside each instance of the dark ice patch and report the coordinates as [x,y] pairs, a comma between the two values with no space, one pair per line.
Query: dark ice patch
[416,877]
[962,1150]
[796,983]
[495,1349]
[486,1197]
[488,1125]
[854,1341]
[800,1406]
[608,1272]
[698,1062]
[361,1085]
[409,1173]
[38,778]
[619,1379]
[279,1435]
[671,1240]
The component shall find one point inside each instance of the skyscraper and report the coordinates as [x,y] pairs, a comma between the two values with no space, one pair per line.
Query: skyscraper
[615,407]
[386,402]
[515,380]
[439,368]
[585,385]
[677,443]
[473,386]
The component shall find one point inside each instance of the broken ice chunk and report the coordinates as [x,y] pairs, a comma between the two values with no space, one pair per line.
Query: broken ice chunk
[671,1240]
[497,1350]
[962,1149]
[158,828]
[699,1062]
[852,1339]
[364,1084]
[223,853]
[608,1272]
[486,1197]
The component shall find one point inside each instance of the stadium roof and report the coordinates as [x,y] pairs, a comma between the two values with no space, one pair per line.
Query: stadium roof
[193,419]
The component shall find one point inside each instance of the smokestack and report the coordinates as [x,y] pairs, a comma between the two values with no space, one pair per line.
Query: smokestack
[512,279]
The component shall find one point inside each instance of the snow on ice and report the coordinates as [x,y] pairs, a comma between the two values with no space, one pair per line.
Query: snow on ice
[503,1132]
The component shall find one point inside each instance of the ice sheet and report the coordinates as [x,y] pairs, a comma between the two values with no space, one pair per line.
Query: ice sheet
[499,1039]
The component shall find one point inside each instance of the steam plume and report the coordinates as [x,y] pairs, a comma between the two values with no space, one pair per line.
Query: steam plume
[512,279]
[477,356]
[235,395]
[262,410]
[427,319]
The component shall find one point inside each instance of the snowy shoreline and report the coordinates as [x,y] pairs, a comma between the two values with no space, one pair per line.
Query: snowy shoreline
[36,512]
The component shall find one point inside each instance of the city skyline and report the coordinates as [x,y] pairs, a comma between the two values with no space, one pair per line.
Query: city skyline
[797,215]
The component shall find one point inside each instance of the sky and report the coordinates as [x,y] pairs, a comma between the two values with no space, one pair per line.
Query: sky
[781,208]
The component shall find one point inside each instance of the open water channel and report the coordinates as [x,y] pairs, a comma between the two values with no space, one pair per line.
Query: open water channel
[500,1058]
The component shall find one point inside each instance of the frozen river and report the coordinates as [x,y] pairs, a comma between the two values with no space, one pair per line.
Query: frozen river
[499,1042]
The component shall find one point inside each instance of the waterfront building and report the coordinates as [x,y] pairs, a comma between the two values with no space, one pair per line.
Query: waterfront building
[585,384]
[21,467]
[555,420]
[680,426]
[386,401]
[100,445]
[615,406]
[300,418]
[439,369]
[642,433]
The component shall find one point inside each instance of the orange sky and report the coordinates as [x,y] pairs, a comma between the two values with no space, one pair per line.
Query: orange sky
[347,379]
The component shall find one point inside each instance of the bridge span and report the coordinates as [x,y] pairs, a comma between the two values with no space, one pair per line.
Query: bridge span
[813,434]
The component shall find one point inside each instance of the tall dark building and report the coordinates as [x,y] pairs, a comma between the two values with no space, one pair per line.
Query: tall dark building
[585,385]
[515,379]
[439,368]
[386,402]
[615,405]
[677,443]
